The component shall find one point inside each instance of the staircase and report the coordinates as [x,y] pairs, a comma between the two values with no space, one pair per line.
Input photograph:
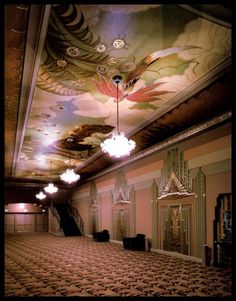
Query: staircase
[70,220]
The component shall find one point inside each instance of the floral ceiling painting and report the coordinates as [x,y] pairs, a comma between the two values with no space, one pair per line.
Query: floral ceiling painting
[160,51]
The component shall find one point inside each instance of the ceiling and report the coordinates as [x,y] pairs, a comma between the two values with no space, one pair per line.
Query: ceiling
[175,64]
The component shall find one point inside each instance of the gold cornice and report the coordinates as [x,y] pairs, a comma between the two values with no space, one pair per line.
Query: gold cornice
[169,142]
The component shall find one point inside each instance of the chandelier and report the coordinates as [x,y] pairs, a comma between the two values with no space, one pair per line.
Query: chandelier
[69,176]
[40,195]
[50,188]
[118,145]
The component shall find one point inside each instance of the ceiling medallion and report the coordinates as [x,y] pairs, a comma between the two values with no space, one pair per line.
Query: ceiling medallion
[112,61]
[119,43]
[100,48]
[117,146]
[72,51]
[102,69]
[62,63]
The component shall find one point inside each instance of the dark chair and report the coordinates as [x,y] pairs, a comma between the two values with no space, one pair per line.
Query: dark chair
[136,243]
[101,236]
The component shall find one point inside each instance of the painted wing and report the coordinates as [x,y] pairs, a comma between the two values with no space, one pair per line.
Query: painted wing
[146,94]
[108,88]
[134,75]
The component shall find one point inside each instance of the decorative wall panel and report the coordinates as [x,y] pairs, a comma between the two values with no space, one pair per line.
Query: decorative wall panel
[154,208]
[176,229]
[94,209]
[200,197]
[175,181]
[123,212]
[121,221]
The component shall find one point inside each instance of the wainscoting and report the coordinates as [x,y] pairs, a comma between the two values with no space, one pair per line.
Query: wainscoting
[26,222]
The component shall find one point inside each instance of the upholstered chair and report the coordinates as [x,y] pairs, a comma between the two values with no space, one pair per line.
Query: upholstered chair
[136,243]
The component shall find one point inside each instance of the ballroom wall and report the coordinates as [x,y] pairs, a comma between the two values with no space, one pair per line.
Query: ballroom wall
[208,160]
[25,217]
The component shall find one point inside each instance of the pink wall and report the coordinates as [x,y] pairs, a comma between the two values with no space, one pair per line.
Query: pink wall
[143,212]
[149,166]
[105,223]
[147,169]
[82,208]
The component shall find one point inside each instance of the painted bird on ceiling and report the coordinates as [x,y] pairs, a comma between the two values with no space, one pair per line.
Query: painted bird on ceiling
[145,94]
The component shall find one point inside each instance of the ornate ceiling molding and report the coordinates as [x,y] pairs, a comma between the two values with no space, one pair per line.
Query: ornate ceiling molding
[171,141]
[37,28]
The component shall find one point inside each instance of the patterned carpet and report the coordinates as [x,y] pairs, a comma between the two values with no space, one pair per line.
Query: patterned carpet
[42,264]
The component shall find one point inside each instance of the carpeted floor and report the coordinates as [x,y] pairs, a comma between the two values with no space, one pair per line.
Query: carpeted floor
[42,264]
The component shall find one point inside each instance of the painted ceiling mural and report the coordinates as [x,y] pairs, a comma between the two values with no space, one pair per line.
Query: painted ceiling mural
[158,50]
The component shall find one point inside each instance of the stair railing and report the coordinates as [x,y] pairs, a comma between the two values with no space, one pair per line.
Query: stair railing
[77,217]
[55,213]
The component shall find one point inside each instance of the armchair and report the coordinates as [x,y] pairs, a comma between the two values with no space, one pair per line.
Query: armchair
[101,236]
[136,243]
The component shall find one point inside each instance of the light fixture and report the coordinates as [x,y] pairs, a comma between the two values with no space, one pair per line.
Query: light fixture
[118,145]
[50,188]
[40,195]
[69,176]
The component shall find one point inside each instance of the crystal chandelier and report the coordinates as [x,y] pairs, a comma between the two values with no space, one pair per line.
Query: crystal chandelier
[69,175]
[118,145]
[40,195]
[50,188]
